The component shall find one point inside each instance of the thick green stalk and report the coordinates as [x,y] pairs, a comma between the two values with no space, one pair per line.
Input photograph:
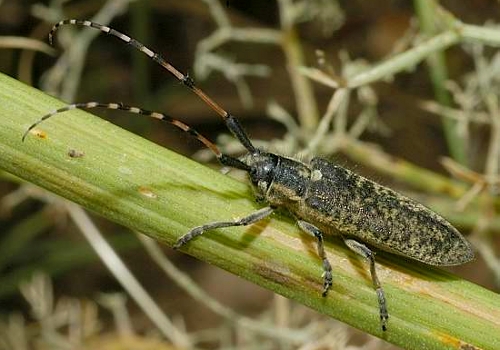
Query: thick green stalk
[148,188]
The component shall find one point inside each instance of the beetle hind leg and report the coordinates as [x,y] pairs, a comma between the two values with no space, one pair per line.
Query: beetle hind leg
[327,267]
[365,252]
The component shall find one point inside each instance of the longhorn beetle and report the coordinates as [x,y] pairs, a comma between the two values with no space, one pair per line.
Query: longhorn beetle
[323,197]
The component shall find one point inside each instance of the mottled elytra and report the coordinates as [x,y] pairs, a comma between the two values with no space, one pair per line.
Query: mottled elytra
[323,197]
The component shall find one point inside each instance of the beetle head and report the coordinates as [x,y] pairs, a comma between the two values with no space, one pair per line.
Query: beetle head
[262,169]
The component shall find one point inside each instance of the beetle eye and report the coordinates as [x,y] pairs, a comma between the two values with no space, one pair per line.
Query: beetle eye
[253,171]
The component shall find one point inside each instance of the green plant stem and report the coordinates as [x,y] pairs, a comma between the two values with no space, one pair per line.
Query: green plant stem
[136,183]
[426,12]
[307,110]
[459,33]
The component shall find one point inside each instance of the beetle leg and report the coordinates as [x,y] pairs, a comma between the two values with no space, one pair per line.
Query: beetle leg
[365,252]
[247,220]
[327,268]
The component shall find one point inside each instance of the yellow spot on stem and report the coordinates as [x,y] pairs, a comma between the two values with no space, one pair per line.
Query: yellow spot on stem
[146,192]
[39,133]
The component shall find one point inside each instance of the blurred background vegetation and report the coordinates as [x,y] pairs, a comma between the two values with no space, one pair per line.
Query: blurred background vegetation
[273,64]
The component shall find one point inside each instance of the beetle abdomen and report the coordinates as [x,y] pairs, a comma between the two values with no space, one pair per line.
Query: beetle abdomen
[379,216]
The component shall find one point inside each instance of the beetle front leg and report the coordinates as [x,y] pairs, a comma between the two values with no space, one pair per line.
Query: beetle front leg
[248,220]
[365,252]
[327,267]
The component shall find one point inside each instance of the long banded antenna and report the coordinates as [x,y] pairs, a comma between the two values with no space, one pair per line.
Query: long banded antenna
[224,159]
[231,122]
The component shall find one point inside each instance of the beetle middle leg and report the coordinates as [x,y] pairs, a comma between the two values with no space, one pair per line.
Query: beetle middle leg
[327,267]
[247,220]
[365,252]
